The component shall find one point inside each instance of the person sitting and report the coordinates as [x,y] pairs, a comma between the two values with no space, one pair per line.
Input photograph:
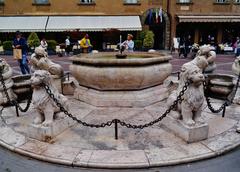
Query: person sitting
[44,44]
[128,44]
[85,44]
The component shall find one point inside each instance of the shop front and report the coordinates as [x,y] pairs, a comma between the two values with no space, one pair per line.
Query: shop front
[209,29]
[104,31]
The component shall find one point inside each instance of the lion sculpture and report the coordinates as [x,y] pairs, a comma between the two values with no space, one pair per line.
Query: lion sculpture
[190,108]
[7,72]
[210,57]
[236,66]
[40,61]
[44,105]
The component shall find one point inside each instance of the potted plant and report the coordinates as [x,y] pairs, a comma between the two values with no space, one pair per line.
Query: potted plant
[7,46]
[138,44]
[52,47]
[148,41]
[33,41]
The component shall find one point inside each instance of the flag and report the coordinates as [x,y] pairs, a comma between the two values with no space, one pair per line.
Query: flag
[150,17]
[157,21]
[160,14]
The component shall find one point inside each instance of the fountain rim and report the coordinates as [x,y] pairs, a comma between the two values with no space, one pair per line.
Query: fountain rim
[93,60]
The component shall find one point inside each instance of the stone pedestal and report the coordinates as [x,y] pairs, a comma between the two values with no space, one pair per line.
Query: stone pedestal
[141,98]
[57,82]
[68,87]
[42,133]
[237,96]
[190,134]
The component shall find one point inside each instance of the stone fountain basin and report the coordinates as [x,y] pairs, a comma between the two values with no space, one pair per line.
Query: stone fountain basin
[219,85]
[105,72]
[22,86]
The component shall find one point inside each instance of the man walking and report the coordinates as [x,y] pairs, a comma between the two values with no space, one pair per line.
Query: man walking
[20,43]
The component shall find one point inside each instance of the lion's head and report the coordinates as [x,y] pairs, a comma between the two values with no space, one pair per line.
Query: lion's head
[3,65]
[40,77]
[201,62]
[204,50]
[192,73]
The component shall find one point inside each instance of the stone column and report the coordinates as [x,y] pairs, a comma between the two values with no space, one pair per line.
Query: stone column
[174,24]
[220,34]
[196,36]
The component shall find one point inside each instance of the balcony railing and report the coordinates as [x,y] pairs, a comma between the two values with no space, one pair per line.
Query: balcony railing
[131,2]
[87,2]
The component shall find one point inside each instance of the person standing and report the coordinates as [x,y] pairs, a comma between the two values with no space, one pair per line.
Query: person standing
[68,45]
[85,43]
[44,44]
[237,47]
[128,44]
[188,46]
[20,43]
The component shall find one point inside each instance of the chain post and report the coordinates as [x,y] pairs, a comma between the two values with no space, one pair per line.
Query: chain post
[116,121]
[116,128]
[17,112]
[224,110]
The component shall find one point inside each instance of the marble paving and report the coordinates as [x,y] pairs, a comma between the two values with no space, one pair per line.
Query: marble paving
[97,147]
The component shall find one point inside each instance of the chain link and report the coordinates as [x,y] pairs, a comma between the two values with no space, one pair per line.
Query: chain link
[14,102]
[115,121]
[226,103]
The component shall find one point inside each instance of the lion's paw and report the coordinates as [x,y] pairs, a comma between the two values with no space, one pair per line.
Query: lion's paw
[47,123]
[200,120]
[37,121]
[175,115]
[189,122]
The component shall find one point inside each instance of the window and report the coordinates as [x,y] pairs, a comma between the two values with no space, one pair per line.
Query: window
[131,1]
[41,2]
[1,2]
[184,1]
[222,1]
[87,1]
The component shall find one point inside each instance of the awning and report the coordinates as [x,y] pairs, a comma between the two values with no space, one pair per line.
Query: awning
[23,24]
[93,23]
[216,19]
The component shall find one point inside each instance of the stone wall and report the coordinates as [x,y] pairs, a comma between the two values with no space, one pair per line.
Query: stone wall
[73,7]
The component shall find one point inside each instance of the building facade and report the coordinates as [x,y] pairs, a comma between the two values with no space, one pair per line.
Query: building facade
[205,20]
[219,19]
[93,8]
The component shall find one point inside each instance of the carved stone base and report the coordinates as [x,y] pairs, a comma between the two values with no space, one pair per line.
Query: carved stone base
[42,133]
[57,82]
[141,98]
[237,96]
[68,87]
[191,134]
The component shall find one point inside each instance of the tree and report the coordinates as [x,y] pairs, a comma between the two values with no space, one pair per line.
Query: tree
[33,40]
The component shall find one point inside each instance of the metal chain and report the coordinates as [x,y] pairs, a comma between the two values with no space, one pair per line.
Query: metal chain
[175,103]
[115,121]
[226,103]
[14,102]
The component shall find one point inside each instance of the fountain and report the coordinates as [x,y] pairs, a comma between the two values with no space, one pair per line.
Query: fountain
[136,80]
[130,94]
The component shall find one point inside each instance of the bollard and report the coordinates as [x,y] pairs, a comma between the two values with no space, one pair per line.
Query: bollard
[116,129]
[17,112]
[224,110]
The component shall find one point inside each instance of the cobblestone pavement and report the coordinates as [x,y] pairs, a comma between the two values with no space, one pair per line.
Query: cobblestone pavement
[224,63]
